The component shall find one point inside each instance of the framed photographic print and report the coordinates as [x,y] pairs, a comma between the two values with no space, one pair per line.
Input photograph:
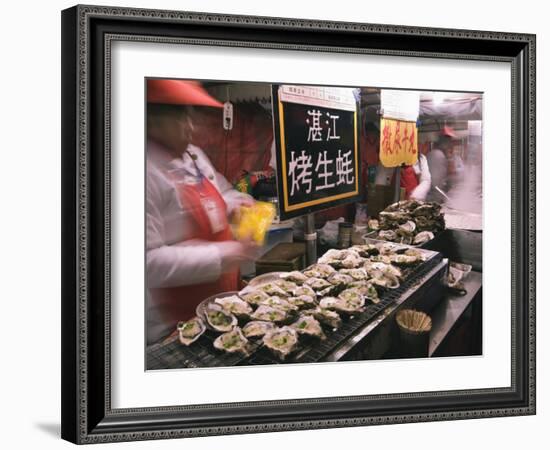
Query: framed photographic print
[283,224]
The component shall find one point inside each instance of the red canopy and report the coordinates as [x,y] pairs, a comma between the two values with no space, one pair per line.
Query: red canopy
[179,92]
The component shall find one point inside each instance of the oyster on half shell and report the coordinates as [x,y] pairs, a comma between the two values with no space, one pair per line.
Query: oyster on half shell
[319,270]
[272,289]
[303,290]
[353,298]
[303,301]
[281,341]
[234,305]
[254,297]
[268,313]
[294,276]
[309,326]
[403,260]
[257,328]
[340,278]
[219,319]
[326,316]
[191,330]
[349,303]
[279,303]
[286,285]
[233,341]
[367,290]
[352,260]
[384,280]
[356,274]
[317,283]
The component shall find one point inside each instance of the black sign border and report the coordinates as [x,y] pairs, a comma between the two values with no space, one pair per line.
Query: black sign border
[284,213]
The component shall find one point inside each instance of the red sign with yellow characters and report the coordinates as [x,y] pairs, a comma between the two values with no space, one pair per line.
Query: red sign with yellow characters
[398,143]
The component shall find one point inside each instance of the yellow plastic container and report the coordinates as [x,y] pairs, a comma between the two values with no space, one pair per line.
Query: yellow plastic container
[254,221]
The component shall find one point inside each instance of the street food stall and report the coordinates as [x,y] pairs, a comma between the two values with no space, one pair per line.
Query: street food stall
[326,290]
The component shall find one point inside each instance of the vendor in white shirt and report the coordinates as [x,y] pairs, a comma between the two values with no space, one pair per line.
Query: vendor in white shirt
[191,253]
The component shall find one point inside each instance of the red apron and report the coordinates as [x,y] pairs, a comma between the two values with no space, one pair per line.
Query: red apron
[407,180]
[179,303]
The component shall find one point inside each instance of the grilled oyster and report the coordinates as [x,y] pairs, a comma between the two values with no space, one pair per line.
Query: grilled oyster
[330,302]
[356,274]
[294,276]
[415,252]
[279,303]
[309,326]
[352,260]
[234,305]
[422,237]
[403,260]
[303,301]
[340,278]
[286,285]
[257,328]
[312,273]
[303,290]
[366,289]
[273,289]
[376,267]
[348,304]
[392,271]
[326,316]
[332,254]
[254,297]
[330,291]
[353,298]
[268,313]
[281,341]
[191,330]
[388,248]
[232,342]
[383,280]
[219,319]
[378,258]
[317,283]
[319,271]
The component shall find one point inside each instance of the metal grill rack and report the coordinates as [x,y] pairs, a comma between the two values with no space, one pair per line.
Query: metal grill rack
[171,354]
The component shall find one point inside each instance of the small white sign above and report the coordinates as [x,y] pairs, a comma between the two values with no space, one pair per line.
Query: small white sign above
[326,97]
[400,105]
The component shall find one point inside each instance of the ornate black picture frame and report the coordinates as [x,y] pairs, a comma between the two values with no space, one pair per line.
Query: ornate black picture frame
[87,35]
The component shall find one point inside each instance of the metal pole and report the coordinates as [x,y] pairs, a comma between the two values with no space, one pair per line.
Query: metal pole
[397,192]
[310,236]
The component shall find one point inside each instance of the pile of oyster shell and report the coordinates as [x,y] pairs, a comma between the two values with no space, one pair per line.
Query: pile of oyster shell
[411,222]
[307,303]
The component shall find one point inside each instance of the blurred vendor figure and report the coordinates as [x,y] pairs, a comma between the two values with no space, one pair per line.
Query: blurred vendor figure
[415,179]
[439,163]
[191,253]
